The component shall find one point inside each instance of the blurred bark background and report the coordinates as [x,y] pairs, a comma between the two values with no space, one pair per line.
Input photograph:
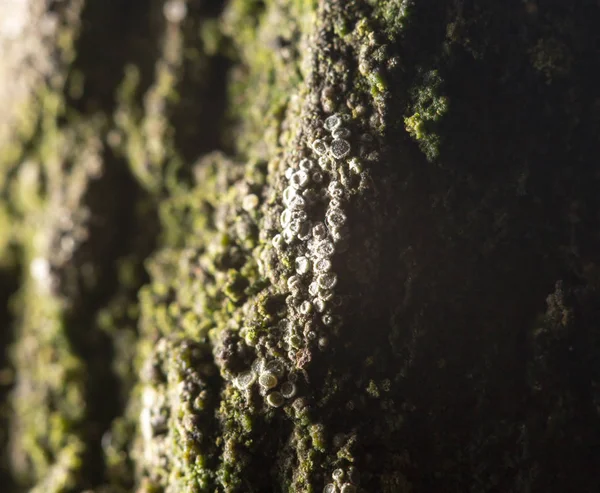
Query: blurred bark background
[299,246]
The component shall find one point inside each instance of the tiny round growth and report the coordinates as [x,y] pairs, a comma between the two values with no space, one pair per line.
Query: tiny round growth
[324,248]
[296,226]
[323,265]
[311,335]
[313,289]
[354,165]
[288,390]
[294,283]
[250,202]
[348,488]
[175,11]
[335,218]
[332,122]
[295,341]
[267,380]
[297,202]
[340,133]
[335,189]
[288,194]
[302,265]
[277,241]
[319,231]
[245,380]
[319,147]
[289,172]
[310,196]
[319,305]
[340,148]
[275,399]
[330,488]
[299,179]
[304,230]
[325,162]
[306,164]
[337,475]
[327,319]
[327,280]
[275,367]
[305,308]
[285,218]
[317,176]
[288,235]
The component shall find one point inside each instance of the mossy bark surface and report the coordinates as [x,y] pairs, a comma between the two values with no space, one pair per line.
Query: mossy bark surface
[299,246]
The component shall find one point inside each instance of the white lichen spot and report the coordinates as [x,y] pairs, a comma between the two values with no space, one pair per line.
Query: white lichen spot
[313,289]
[340,148]
[319,305]
[175,11]
[323,265]
[288,235]
[245,380]
[319,231]
[327,319]
[294,283]
[288,390]
[354,165]
[340,133]
[40,271]
[306,164]
[335,189]
[288,194]
[297,203]
[267,380]
[327,280]
[302,265]
[325,162]
[335,218]
[288,173]
[348,488]
[330,488]
[305,308]
[250,202]
[337,475]
[278,241]
[299,179]
[275,399]
[276,367]
[332,123]
[324,248]
[319,146]
[286,218]
[317,176]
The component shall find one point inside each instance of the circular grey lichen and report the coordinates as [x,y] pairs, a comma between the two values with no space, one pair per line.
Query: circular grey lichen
[319,147]
[267,380]
[319,231]
[275,399]
[332,122]
[330,488]
[306,164]
[299,179]
[337,475]
[335,218]
[340,133]
[302,265]
[340,148]
[288,390]
[276,367]
[335,189]
[305,308]
[245,380]
[323,265]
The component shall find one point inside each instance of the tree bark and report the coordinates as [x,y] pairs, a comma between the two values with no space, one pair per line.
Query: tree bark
[299,246]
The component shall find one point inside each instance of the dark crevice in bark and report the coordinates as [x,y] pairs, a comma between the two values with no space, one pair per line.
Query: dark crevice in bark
[112,235]
[9,285]
[113,34]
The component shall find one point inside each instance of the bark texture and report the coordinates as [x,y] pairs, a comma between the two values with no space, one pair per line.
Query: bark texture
[330,246]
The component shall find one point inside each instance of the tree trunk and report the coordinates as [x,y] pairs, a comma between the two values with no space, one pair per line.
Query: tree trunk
[299,246]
